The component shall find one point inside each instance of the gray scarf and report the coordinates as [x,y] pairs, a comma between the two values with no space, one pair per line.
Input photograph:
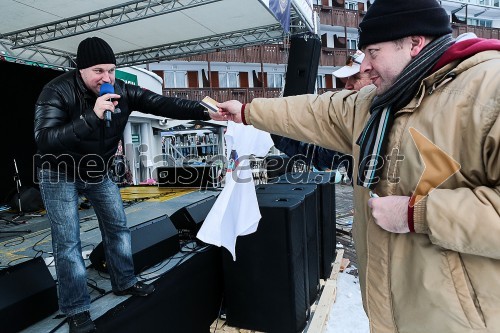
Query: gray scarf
[372,140]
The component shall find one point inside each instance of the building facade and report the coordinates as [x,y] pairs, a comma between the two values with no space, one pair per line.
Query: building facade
[260,70]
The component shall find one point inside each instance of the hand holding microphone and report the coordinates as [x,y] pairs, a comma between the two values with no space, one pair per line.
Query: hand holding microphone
[107,88]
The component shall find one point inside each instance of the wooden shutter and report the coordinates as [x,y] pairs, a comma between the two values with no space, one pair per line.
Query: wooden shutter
[193,79]
[243,77]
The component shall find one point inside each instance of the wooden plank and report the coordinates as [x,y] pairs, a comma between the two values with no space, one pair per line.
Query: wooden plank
[220,326]
[328,295]
[344,264]
[319,311]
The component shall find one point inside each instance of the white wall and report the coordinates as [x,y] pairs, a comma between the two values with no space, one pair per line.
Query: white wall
[145,79]
[154,83]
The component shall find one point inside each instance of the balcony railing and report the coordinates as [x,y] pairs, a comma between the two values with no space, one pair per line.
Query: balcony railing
[339,17]
[266,54]
[334,56]
[278,53]
[272,54]
[244,95]
[481,32]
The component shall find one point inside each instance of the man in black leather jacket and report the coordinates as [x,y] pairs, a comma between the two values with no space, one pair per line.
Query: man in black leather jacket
[75,151]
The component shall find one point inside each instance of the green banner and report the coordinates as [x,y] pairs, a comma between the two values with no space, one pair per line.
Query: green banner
[127,77]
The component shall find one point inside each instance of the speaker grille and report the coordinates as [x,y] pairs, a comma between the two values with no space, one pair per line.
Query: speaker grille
[266,287]
[28,295]
[327,226]
[191,217]
[308,193]
[302,65]
[152,242]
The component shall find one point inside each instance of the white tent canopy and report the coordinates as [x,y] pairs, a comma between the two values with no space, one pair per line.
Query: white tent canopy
[141,31]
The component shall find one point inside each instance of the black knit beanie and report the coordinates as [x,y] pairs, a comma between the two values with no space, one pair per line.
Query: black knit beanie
[388,20]
[94,51]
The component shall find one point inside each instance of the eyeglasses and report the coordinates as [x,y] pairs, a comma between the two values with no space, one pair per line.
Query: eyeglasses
[352,60]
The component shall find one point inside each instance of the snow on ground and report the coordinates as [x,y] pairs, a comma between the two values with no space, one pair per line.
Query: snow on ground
[347,314]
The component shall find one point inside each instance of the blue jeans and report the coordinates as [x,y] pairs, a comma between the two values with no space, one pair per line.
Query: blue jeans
[60,196]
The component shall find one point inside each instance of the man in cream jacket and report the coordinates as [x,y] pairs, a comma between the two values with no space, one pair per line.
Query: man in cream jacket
[425,138]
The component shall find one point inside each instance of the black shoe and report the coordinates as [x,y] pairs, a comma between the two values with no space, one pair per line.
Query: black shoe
[81,323]
[138,289]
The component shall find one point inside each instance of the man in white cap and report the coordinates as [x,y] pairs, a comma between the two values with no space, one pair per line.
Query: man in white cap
[350,74]
[322,158]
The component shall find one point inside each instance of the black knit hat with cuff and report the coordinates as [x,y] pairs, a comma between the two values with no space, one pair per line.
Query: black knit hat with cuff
[388,20]
[94,51]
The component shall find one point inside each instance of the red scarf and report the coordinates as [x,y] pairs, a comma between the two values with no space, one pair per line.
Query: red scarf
[465,49]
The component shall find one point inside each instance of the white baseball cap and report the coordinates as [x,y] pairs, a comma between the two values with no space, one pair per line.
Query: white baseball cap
[352,67]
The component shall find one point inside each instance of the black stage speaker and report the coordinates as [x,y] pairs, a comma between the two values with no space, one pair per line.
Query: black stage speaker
[28,295]
[187,299]
[327,225]
[187,176]
[266,287]
[189,219]
[28,197]
[276,166]
[152,242]
[308,193]
[303,63]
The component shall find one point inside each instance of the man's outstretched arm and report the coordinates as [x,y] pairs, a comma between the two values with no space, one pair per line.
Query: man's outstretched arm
[232,110]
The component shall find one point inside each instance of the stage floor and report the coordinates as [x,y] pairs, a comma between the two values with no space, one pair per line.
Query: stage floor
[142,203]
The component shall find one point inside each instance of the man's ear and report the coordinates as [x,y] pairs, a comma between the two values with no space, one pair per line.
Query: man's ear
[417,44]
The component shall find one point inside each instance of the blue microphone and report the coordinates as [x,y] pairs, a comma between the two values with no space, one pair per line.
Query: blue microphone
[107,88]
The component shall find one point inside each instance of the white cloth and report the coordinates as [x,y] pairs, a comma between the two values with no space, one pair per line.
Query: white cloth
[236,210]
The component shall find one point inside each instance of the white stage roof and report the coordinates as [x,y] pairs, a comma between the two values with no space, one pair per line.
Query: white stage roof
[48,31]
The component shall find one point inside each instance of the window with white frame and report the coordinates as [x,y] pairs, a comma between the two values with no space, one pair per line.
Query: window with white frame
[275,80]
[351,5]
[228,80]
[477,22]
[352,44]
[175,79]
[320,81]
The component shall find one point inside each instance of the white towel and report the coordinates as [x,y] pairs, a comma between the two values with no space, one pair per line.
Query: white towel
[236,210]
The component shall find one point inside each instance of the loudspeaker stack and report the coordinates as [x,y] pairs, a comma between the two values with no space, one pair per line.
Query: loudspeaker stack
[189,219]
[303,64]
[327,217]
[266,287]
[28,295]
[309,194]
[152,242]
